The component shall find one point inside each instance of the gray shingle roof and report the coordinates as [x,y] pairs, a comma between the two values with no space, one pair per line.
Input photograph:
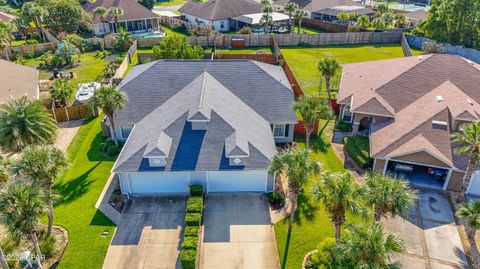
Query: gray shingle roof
[221,9]
[132,10]
[233,128]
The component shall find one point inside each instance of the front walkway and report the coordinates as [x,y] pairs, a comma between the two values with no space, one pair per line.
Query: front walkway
[149,234]
[237,232]
[430,235]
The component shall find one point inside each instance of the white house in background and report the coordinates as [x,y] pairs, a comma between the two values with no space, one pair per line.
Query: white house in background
[205,122]
[218,13]
[136,18]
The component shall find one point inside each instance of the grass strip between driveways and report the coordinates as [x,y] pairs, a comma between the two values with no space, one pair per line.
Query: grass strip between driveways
[80,188]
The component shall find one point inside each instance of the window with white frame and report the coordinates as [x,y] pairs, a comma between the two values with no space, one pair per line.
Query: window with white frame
[347,114]
[278,130]
[126,130]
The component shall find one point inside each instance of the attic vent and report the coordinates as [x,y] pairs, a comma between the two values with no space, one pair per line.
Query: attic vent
[470,101]
[439,98]
[437,122]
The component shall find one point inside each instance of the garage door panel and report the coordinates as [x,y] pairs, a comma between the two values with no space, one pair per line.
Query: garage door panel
[159,183]
[238,181]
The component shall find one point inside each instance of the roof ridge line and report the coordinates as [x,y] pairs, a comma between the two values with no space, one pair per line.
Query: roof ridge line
[202,93]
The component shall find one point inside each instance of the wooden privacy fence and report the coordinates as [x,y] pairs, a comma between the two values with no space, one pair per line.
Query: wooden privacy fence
[265,58]
[324,26]
[117,77]
[405,47]
[69,113]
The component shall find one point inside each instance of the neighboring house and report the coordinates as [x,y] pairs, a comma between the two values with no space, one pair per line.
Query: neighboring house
[136,18]
[17,81]
[312,7]
[218,13]
[213,123]
[331,14]
[410,107]
[415,18]
[5,17]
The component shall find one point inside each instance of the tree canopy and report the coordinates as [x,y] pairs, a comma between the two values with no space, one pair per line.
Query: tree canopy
[177,47]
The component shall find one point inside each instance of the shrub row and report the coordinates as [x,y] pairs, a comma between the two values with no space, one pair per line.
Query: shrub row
[193,219]
[357,148]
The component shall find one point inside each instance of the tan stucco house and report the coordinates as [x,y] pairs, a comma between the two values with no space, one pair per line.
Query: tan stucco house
[410,107]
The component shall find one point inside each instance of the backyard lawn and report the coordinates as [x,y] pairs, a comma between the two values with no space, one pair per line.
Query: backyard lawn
[313,223]
[303,60]
[80,188]
[306,30]
[170,3]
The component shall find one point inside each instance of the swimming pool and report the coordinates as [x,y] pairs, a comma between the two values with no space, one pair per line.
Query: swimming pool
[148,34]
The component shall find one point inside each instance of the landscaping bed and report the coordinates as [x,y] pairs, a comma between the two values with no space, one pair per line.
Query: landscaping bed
[358,148]
[193,220]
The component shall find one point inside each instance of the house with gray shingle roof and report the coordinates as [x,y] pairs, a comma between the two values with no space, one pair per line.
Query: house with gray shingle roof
[410,107]
[214,123]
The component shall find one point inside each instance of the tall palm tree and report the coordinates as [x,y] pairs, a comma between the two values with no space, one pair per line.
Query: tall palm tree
[299,15]
[328,68]
[21,206]
[23,123]
[297,167]
[363,21]
[468,140]
[388,196]
[6,37]
[290,8]
[42,165]
[115,12]
[312,109]
[266,20]
[110,100]
[366,246]
[32,11]
[61,90]
[101,12]
[339,194]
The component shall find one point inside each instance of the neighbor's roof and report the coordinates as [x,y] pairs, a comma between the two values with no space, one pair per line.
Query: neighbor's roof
[221,9]
[233,128]
[417,15]
[263,87]
[423,96]
[17,81]
[315,5]
[5,17]
[132,10]
[257,17]
[334,11]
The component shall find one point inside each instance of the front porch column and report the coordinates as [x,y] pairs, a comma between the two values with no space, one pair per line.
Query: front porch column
[385,167]
[355,127]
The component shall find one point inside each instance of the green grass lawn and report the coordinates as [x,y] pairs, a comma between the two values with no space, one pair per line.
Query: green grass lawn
[169,31]
[313,223]
[89,69]
[358,148]
[80,188]
[303,60]
[306,30]
[250,50]
[170,3]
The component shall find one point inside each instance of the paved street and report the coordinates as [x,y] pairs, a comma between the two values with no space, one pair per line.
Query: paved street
[149,234]
[238,232]
[430,235]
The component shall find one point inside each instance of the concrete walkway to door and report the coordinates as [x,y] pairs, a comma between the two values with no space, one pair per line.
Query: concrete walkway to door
[148,234]
[237,232]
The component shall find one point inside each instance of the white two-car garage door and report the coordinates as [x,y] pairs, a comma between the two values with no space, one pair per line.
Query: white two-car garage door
[233,181]
[163,182]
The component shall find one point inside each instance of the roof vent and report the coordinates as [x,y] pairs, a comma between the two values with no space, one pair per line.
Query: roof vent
[470,102]
[439,98]
[420,57]
[437,122]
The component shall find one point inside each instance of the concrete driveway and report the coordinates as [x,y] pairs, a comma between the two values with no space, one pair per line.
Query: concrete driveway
[238,232]
[429,233]
[148,234]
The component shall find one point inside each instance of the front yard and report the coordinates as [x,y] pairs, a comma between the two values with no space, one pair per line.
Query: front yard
[303,60]
[80,188]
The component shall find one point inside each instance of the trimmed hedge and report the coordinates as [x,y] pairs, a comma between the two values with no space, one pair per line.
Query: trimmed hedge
[195,204]
[358,148]
[188,257]
[192,230]
[196,190]
[193,219]
[190,242]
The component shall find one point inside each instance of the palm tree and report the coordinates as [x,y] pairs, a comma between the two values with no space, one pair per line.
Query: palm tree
[388,196]
[290,8]
[31,11]
[297,167]
[312,109]
[42,165]
[299,15]
[61,90]
[328,68]
[101,12]
[3,260]
[468,140]
[363,21]
[266,20]
[343,16]
[21,206]
[23,123]
[109,100]
[366,246]
[339,194]
[6,37]
[471,213]
[4,170]
[115,12]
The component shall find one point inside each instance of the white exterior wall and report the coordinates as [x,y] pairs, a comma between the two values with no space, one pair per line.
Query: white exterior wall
[203,22]
[98,29]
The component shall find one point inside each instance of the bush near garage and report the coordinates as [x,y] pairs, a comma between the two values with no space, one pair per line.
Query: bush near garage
[193,219]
